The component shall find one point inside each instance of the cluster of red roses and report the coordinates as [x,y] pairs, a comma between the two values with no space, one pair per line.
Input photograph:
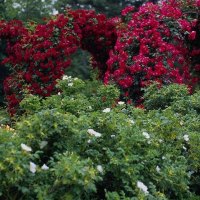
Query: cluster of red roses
[152,46]
[39,56]
[98,36]
[154,43]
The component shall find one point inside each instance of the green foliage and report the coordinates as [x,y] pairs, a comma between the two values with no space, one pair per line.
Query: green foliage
[25,10]
[110,8]
[156,97]
[4,117]
[80,66]
[95,148]
[174,96]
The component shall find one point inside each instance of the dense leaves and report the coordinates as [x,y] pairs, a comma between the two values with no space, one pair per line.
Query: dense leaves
[75,145]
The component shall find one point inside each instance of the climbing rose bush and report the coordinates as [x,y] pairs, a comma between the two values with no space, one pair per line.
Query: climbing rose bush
[158,42]
[42,54]
[151,46]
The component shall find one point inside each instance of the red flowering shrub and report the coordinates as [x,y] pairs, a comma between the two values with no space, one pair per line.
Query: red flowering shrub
[151,46]
[155,43]
[10,33]
[98,36]
[41,55]
[40,58]
[195,52]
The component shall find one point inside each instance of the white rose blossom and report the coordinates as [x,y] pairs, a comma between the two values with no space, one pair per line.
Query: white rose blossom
[25,147]
[44,167]
[157,168]
[65,77]
[32,167]
[94,133]
[100,168]
[184,148]
[131,121]
[142,187]
[186,138]
[146,135]
[106,110]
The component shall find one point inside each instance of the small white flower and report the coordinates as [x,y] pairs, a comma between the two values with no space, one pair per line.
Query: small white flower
[44,167]
[25,147]
[160,140]
[146,135]
[112,136]
[43,144]
[157,168]
[90,107]
[70,84]
[106,110]
[184,148]
[32,167]
[131,121]
[94,133]
[163,157]
[100,168]
[75,79]
[121,103]
[142,187]
[186,138]
[89,141]
[65,77]
[59,93]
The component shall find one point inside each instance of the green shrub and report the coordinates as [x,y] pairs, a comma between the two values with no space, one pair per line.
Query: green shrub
[95,148]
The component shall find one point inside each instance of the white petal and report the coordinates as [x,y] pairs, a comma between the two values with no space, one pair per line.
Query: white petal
[131,121]
[186,138]
[157,168]
[43,144]
[106,110]
[25,147]
[44,167]
[65,77]
[184,148]
[121,103]
[94,133]
[33,167]
[146,135]
[70,84]
[89,141]
[142,187]
[112,136]
[100,168]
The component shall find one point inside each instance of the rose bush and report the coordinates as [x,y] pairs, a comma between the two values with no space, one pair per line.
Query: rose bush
[152,45]
[157,42]
[74,145]
[43,52]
